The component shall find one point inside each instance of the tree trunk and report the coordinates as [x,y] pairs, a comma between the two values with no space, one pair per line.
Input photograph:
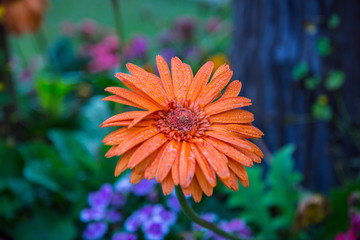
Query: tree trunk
[271,37]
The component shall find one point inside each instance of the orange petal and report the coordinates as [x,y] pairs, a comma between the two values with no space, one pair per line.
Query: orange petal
[230,151]
[123,116]
[233,116]
[120,135]
[121,165]
[188,75]
[238,169]
[167,185]
[196,190]
[146,123]
[141,117]
[215,159]
[245,130]
[204,184]
[175,172]
[150,172]
[238,142]
[226,105]
[146,82]
[187,191]
[199,81]
[121,100]
[136,177]
[213,89]
[133,97]
[251,155]
[231,182]
[145,149]
[135,140]
[245,182]
[178,77]
[223,68]
[165,76]
[186,165]
[167,158]
[232,90]
[207,170]
[143,165]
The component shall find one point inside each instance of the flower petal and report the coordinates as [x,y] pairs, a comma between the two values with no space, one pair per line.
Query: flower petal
[186,165]
[215,159]
[196,190]
[238,169]
[141,117]
[171,152]
[145,149]
[188,75]
[133,97]
[143,165]
[145,123]
[207,170]
[120,135]
[245,130]
[117,99]
[231,182]
[230,151]
[232,116]
[123,116]
[121,165]
[150,172]
[226,105]
[165,76]
[178,77]
[204,184]
[167,185]
[146,82]
[213,89]
[232,90]
[240,143]
[135,177]
[135,140]
[199,81]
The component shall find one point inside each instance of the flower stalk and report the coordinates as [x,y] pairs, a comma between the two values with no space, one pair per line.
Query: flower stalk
[197,219]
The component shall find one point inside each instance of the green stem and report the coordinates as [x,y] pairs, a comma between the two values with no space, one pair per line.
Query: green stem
[197,219]
[118,22]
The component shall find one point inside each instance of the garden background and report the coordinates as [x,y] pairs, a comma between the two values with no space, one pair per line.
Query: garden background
[297,60]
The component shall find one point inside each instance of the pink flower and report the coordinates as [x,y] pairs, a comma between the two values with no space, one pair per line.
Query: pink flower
[89,28]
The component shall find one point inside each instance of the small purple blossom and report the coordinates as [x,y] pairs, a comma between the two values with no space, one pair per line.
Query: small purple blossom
[144,187]
[91,214]
[133,222]
[118,200]
[95,230]
[168,53]
[140,46]
[210,217]
[173,203]
[155,229]
[123,185]
[124,236]
[113,216]
[102,197]
[168,217]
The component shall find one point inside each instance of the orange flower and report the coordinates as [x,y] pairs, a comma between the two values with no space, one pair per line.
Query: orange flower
[23,15]
[188,133]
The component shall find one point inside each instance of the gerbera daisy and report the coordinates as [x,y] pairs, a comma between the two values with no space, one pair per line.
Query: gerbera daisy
[23,15]
[188,133]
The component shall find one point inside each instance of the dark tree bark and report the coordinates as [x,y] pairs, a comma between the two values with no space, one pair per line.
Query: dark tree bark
[270,38]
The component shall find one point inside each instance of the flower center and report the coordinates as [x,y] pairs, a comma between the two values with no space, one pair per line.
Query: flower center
[182,121]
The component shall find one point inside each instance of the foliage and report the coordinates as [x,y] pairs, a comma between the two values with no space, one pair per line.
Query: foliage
[273,200]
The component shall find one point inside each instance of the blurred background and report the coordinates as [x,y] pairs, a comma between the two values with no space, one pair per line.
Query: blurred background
[297,60]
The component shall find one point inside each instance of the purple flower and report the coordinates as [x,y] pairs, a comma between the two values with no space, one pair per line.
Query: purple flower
[118,200]
[355,221]
[239,226]
[92,214]
[95,230]
[210,217]
[123,185]
[101,198]
[144,187]
[133,222]
[168,53]
[124,236]
[140,46]
[164,215]
[173,203]
[113,216]
[155,229]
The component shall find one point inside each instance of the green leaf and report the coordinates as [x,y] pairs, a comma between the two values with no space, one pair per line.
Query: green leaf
[335,80]
[334,21]
[39,172]
[323,46]
[300,70]
[312,83]
[321,109]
